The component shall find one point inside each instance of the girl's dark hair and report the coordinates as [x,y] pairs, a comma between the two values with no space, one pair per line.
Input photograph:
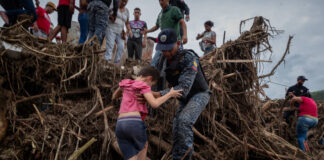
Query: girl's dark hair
[209,23]
[150,71]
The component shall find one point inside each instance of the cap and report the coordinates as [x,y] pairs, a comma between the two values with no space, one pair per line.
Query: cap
[302,78]
[166,40]
[51,4]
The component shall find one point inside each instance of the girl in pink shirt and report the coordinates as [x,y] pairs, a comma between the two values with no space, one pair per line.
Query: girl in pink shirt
[130,128]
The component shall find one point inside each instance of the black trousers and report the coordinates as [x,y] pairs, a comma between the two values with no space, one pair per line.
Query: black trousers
[134,48]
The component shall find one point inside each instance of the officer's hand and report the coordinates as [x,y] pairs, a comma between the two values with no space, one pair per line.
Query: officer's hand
[184,39]
[140,98]
[175,93]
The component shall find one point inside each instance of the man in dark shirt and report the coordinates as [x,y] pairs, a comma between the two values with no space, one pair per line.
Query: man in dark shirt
[183,7]
[298,90]
[182,71]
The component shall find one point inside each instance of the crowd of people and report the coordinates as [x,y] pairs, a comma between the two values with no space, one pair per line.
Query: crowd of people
[106,19]
[110,20]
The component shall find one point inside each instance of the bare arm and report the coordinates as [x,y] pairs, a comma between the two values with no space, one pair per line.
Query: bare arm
[295,100]
[184,29]
[152,29]
[117,93]
[199,36]
[129,30]
[156,102]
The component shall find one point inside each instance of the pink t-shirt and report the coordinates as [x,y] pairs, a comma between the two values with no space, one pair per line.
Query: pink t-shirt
[129,102]
[307,107]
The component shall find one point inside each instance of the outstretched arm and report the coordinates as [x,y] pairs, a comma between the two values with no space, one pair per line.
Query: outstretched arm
[156,102]
[295,100]
[151,30]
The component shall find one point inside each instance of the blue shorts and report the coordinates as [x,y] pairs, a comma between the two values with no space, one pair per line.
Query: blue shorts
[131,135]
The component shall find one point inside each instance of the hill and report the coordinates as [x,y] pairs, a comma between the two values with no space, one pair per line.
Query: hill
[318,95]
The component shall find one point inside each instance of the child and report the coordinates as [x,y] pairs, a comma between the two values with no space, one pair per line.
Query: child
[130,128]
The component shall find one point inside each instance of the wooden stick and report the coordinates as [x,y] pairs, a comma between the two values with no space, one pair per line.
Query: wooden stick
[105,142]
[204,138]
[280,61]
[241,61]
[224,37]
[39,115]
[78,152]
[79,73]
[104,110]
[60,143]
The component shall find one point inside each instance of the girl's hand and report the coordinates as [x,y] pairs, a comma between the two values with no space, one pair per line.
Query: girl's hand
[175,93]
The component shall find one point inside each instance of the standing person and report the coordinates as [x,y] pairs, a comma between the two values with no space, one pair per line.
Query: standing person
[114,32]
[83,20]
[65,11]
[208,42]
[307,118]
[181,4]
[98,12]
[136,43]
[182,70]
[130,128]
[169,17]
[298,90]
[21,7]
[41,27]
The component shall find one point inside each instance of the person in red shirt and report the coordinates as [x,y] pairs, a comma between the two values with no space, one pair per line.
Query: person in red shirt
[307,118]
[43,23]
[65,11]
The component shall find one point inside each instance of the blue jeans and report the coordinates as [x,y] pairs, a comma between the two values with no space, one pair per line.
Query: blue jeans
[186,116]
[29,8]
[209,49]
[111,38]
[83,21]
[98,13]
[303,125]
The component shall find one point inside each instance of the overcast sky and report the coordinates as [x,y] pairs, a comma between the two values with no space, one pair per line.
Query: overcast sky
[301,18]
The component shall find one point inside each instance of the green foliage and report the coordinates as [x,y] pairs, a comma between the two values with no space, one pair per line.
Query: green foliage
[318,95]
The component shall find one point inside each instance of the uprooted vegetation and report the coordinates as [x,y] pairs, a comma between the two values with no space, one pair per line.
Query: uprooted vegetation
[58,103]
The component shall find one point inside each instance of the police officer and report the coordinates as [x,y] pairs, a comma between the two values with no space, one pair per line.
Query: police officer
[298,90]
[183,71]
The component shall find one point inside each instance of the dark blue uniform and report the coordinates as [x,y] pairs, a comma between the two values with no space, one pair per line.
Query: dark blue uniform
[184,72]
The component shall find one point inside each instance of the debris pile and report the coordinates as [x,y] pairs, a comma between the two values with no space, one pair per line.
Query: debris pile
[58,103]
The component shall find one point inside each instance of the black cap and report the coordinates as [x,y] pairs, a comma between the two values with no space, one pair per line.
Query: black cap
[303,78]
[166,40]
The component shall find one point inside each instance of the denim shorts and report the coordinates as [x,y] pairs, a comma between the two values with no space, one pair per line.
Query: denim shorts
[131,135]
